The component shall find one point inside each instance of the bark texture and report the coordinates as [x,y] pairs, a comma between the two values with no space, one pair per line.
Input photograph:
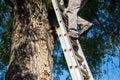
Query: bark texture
[31,43]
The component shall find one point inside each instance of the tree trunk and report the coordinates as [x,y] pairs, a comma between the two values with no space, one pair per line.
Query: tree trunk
[31,42]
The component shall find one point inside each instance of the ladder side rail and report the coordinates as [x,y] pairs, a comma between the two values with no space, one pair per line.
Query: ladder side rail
[75,62]
[63,44]
[62,25]
[80,52]
[75,74]
[59,17]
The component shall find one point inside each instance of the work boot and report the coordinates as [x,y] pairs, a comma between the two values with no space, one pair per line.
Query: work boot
[73,35]
[73,41]
[85,28]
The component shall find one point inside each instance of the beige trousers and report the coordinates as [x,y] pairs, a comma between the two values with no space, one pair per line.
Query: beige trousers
[71,11]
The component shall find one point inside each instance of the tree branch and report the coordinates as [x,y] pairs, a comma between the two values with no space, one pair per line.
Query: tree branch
[102,26]
[83,4]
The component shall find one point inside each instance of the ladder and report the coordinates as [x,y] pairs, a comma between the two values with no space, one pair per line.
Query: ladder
[76,62]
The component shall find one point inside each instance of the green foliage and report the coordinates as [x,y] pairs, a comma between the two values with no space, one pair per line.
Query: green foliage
[93,51]
[5,32]
[49,4]
[87,11]
[104,37]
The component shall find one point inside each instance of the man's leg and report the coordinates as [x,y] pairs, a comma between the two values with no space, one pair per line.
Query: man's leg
[71,12]
[72,25]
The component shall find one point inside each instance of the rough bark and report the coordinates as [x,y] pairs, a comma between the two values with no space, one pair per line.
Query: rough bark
[31,42]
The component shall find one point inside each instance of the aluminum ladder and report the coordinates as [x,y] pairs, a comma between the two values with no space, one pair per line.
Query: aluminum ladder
[77,63]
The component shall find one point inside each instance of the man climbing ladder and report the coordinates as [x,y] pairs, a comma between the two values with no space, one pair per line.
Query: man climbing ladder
[76,61]
[73,20]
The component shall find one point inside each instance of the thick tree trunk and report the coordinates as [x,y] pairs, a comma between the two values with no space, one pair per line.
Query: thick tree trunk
[32,44]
